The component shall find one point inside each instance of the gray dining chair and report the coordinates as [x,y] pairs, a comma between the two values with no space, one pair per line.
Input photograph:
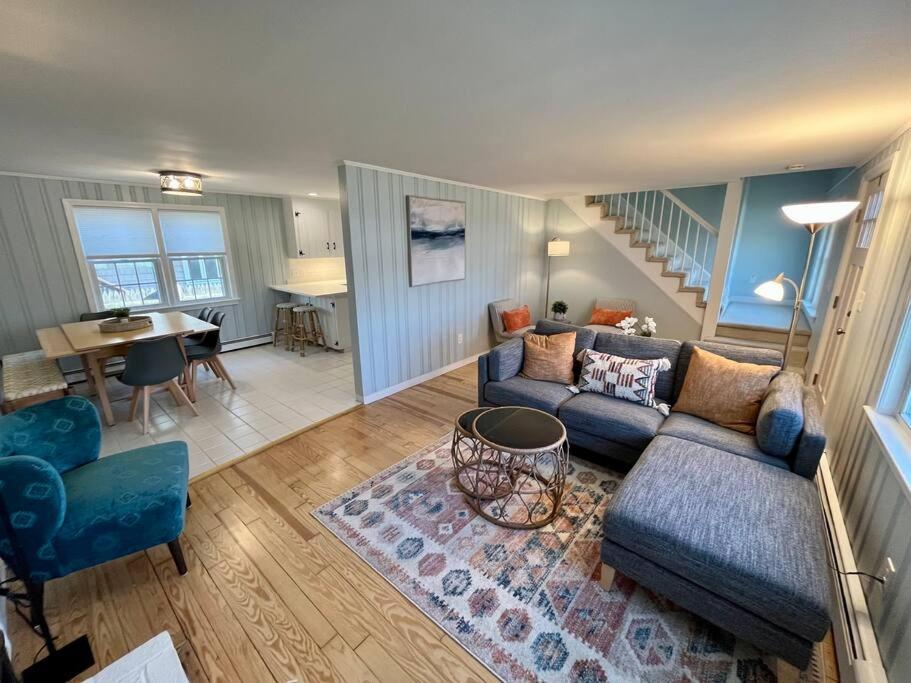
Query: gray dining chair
[155,364]
[95,315]
[206,353]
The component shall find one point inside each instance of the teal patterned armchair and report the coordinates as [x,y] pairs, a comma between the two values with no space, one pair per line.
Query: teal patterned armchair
[63,509]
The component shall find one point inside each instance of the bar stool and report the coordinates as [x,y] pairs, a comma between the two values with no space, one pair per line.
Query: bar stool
[306,327]
[282,323]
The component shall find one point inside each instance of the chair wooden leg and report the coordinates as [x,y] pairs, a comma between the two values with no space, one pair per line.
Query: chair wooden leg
[146,400]
[181,397]
[134,402]
[216,361]
[35,590]
[177,554]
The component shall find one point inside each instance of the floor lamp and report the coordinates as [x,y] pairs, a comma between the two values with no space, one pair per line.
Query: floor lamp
[556,247]
[814,217]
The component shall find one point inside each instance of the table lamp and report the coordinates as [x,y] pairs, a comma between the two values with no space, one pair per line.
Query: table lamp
[814,217]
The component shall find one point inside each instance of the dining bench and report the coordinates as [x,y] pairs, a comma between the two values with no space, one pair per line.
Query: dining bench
[30,378]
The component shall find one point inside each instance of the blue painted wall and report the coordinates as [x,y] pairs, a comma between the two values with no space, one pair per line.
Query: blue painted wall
[707,200]
[767,243]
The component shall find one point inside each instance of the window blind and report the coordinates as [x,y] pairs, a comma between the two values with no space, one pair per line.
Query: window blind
[106,231]
[192,232]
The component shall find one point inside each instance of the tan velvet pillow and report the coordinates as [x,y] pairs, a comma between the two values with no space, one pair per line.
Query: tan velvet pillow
[549,357]
[724,391]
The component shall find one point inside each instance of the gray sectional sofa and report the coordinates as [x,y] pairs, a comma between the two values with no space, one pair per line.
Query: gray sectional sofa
[725,524]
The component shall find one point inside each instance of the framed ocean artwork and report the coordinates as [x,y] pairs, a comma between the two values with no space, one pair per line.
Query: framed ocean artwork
[436,240]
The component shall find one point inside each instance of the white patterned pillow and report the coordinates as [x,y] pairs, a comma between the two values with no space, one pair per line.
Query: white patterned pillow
[628,378]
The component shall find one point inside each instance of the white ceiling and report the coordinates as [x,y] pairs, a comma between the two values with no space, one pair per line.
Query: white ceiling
[534,96]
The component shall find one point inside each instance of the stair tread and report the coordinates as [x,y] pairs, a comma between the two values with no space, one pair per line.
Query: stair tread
[763,328]
[754,343]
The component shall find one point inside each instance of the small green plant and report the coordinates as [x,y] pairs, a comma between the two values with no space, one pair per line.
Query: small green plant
[123,312]
[559,307]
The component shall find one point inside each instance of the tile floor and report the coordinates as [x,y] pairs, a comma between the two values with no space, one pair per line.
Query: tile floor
[278,392]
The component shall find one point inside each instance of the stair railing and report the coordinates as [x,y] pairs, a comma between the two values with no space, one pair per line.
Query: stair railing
[674,231]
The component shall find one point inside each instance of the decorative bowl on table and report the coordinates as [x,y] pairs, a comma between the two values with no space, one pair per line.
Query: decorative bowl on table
[133,322]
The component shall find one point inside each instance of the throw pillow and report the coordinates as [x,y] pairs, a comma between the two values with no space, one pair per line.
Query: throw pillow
[549,357]
[724,391]
[630,379]
[516,319]
[605,316]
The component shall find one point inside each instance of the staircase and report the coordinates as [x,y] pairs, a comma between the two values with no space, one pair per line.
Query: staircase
[670,232]
[742,334]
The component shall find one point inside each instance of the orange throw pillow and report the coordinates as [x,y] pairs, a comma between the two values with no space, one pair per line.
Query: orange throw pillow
[724,391]
[605,316]
[516,319]
[549,357]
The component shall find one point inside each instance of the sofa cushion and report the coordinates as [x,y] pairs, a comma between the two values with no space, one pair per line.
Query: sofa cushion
[750,533]
[531,393]
[549,357]
[724,391]
[585,338]
[644,348]
[780,418]
[696,429]
[741,354]
[516,319]
[611,418]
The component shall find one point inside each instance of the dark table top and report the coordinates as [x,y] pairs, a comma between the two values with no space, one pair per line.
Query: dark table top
[514,428]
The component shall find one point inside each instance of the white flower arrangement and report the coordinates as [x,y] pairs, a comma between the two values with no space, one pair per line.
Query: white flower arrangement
[648,329]
[628,325]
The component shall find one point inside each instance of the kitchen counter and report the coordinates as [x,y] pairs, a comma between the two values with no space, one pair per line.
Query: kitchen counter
[317,288]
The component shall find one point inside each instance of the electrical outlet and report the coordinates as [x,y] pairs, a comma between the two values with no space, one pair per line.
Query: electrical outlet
[459,339]
[753,279]
[887,570]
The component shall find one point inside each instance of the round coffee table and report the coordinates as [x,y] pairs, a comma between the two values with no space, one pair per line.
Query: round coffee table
[530,452]
[478,471]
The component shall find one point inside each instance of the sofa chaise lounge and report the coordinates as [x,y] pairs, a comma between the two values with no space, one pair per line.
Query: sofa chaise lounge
[727,525]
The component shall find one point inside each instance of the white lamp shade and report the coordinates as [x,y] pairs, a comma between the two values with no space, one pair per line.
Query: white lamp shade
[772,289]
[818,213]
[558,248]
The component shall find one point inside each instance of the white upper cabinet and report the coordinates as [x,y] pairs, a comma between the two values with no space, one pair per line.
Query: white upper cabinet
[317,228]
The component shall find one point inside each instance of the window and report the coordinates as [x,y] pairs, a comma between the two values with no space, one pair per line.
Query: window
[149,255]
[868,222]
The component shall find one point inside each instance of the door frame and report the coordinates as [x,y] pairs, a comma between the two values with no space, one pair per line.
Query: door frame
[826,335]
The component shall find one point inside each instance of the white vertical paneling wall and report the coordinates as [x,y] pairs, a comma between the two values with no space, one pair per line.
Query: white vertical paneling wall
[39,274]
[874,499]
[402,332]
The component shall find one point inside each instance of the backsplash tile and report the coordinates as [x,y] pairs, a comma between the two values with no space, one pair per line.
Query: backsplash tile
[316,269]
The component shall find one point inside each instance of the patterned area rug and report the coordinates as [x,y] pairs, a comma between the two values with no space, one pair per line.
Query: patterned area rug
[528,604]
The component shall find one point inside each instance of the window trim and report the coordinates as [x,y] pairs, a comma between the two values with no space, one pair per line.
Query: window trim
[169,282]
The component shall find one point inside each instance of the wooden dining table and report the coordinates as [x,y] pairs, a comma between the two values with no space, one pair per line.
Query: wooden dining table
[94,347]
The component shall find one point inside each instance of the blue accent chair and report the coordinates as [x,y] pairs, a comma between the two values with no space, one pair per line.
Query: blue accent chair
[63,509]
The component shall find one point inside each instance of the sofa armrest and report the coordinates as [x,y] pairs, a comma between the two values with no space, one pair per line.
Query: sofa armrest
[65,432]
[780,420]
[34,502]
[505,361]
[483,376]
[812,439]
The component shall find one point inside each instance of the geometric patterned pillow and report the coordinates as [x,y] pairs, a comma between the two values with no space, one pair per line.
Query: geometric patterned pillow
[630,379]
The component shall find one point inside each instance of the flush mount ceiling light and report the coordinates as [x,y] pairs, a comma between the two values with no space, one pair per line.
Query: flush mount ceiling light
[313,194]
[181,182]
[795,167]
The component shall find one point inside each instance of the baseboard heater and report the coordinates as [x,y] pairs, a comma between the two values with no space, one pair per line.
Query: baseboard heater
[115,366]
[855,640]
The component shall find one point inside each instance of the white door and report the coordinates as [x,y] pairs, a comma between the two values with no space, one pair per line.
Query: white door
[846,299]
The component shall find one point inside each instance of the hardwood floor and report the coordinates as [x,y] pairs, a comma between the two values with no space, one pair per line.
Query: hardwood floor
[270,594]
